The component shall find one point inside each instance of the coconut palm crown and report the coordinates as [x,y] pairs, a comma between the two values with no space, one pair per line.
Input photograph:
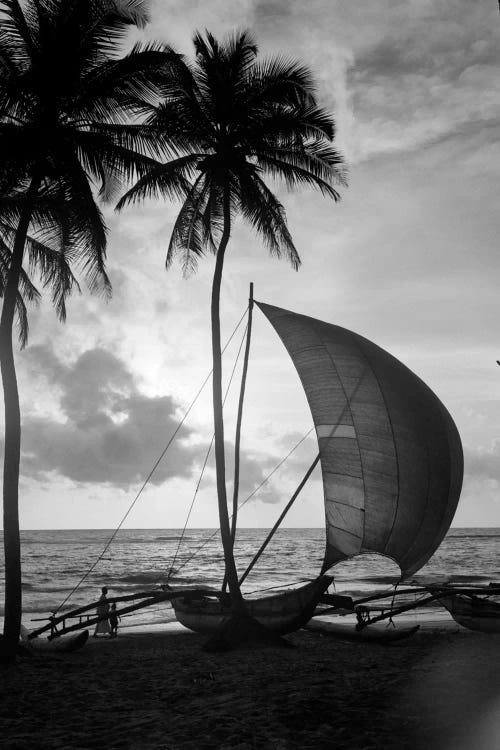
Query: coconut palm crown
[234,121]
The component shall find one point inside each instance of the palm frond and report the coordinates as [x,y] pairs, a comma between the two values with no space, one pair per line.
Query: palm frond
[124,87]
[169,180]
[188,234]
[186,123]
[18,30]
[54,272]
[266,214]
[304,168]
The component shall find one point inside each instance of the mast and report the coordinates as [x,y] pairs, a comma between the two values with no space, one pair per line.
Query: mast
[237,439]
[240,416]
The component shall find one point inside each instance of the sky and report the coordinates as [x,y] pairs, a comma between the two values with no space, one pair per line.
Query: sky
[408,258]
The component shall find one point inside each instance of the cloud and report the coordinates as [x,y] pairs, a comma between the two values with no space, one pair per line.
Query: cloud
[176,22]
[483,463]
[419,79]
[107,432]
[283,477]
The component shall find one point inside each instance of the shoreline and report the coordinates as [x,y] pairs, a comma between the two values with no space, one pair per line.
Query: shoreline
[154,687]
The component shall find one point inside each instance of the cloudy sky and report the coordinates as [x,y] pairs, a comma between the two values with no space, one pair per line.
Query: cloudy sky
[409,259]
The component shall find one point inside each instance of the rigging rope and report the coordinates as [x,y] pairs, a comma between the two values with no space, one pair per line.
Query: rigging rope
[109,542]
[266,479]
[206,458]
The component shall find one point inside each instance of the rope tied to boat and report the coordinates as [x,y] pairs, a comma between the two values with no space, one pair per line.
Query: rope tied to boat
[155,466]
[209,450]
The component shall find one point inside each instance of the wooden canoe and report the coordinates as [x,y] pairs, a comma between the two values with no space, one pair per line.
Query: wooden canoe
[65,643]
[378,633]
[281,613]
[473,612]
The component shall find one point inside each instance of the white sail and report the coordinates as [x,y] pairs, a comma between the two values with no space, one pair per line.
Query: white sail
[391,455]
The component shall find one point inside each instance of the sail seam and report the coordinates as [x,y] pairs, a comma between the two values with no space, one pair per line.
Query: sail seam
[446,419]
[396,454]
[348,407]
[346,531]
[354,476]
[347,505]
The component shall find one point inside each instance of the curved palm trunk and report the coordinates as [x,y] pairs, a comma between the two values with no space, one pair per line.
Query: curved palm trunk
[220,463]
[12,452]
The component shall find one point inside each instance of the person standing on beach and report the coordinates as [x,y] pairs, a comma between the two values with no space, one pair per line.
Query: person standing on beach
[102,627]
[113,620]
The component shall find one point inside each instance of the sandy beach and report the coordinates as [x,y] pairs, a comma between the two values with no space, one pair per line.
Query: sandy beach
[159,689]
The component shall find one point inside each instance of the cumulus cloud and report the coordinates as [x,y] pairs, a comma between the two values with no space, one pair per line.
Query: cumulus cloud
[108,432]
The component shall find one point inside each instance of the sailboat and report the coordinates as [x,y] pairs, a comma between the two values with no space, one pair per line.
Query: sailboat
[392,468]
[391,461]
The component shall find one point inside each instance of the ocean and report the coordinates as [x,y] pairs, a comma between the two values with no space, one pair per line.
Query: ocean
[66,569]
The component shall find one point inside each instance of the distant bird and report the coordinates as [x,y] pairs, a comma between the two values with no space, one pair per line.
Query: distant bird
[498,362]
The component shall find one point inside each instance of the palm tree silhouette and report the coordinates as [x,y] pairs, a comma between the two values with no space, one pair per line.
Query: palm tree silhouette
[52,264]
[70,111]
[235,120]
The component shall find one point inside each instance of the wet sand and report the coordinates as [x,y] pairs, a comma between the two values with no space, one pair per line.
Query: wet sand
[160,689]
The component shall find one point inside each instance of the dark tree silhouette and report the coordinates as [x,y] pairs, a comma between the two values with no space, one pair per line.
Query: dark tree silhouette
[235,120]
[70,120]
[49,264]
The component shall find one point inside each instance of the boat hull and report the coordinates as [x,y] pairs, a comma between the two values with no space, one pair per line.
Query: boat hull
[347,631]
[64,643]
[281,613]
[473,613]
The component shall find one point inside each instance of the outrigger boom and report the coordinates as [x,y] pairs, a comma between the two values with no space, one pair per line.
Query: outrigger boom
[149,598]
[336,603]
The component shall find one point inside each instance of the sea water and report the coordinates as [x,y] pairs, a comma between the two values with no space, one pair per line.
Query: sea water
[66,569]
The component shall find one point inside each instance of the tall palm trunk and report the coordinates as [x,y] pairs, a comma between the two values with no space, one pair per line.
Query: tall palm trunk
[12,451]
[220,463]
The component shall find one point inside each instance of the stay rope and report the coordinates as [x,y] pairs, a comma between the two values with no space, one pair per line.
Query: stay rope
[264,481]
[206,459]
[155,466]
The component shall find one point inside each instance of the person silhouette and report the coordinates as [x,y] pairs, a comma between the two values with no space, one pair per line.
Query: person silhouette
[102,611]
[113,620]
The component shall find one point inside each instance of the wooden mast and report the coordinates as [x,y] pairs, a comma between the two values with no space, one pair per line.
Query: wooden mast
[237,439]
[240,416]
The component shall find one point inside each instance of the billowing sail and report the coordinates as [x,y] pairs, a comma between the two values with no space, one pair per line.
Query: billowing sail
[391,455]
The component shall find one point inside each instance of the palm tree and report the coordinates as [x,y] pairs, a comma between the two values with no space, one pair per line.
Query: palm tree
[235,120]
[70,119]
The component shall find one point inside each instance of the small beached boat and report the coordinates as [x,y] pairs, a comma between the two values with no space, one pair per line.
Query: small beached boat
[281,613]
[66,643]
[473,612]
[349,631]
